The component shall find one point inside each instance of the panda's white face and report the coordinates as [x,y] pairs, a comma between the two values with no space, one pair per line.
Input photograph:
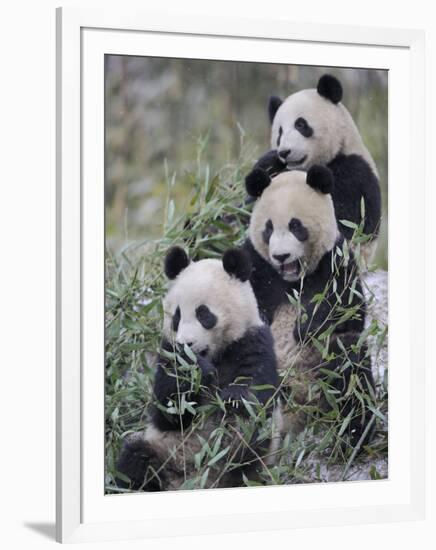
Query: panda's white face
[292,225]
[208,309]
[308,129]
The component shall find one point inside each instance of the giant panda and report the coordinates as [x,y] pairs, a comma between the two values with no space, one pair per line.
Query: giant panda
[311,127]
[307,285]
[215,384]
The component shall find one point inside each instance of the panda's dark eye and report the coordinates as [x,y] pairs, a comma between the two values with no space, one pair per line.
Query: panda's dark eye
[303,127]
[298,229]
[206,317]
[268,231]
[279,136]
[176,319]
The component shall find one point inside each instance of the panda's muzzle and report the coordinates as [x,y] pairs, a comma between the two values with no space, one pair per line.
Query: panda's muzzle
[290,268]
[287,268]
[293,163]
[285,156]
[281,257]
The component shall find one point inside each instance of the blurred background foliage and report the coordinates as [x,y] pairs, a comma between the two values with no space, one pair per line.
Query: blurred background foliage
[157,110]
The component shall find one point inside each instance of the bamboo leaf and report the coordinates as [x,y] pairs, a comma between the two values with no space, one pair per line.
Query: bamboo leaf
[219,456]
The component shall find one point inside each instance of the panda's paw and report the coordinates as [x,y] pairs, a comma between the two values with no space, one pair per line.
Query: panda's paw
[257,181]
[233,395]
[135,464]
[271,163]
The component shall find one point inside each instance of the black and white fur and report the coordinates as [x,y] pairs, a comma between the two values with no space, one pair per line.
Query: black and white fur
[293,242]
[313,127]
[211,309]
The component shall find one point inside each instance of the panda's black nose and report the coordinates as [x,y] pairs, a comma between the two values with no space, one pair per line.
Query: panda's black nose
[281,257]
[283,153]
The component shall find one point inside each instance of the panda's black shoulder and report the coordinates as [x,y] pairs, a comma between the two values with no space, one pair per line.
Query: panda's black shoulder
[354,179]
[323,271]
[255,340]
[354,170]
[254,354]
[351,164]
[348,286]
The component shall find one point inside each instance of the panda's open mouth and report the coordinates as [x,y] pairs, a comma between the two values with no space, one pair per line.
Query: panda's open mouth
[291,268]
[293,163]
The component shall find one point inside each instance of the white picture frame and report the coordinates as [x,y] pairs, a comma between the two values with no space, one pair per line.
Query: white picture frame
[84,513]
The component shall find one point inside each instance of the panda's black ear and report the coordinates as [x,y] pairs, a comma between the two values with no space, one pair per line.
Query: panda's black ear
[237,263]
[330,88]
[257,181]
[320,178]
[175,261]
[274,103]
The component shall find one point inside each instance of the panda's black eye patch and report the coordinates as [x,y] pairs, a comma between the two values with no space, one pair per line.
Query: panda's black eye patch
[298,229]
[206,317]
[268,231]
[279,137]
[303,127]
[176,319]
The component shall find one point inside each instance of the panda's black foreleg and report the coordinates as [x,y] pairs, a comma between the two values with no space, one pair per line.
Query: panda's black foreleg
[355,388]
[138,463]
[361,427]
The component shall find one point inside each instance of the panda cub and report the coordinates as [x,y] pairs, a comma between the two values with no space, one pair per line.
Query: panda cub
[217,363]
[313,127]
[307,286]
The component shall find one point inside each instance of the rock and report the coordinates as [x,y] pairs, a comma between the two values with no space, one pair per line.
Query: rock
[375,285]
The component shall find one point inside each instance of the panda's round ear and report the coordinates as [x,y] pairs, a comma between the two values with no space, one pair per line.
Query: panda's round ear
[176,261]
[237,263]
[274,103]
[330,88]
[257,181]
[320,178]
